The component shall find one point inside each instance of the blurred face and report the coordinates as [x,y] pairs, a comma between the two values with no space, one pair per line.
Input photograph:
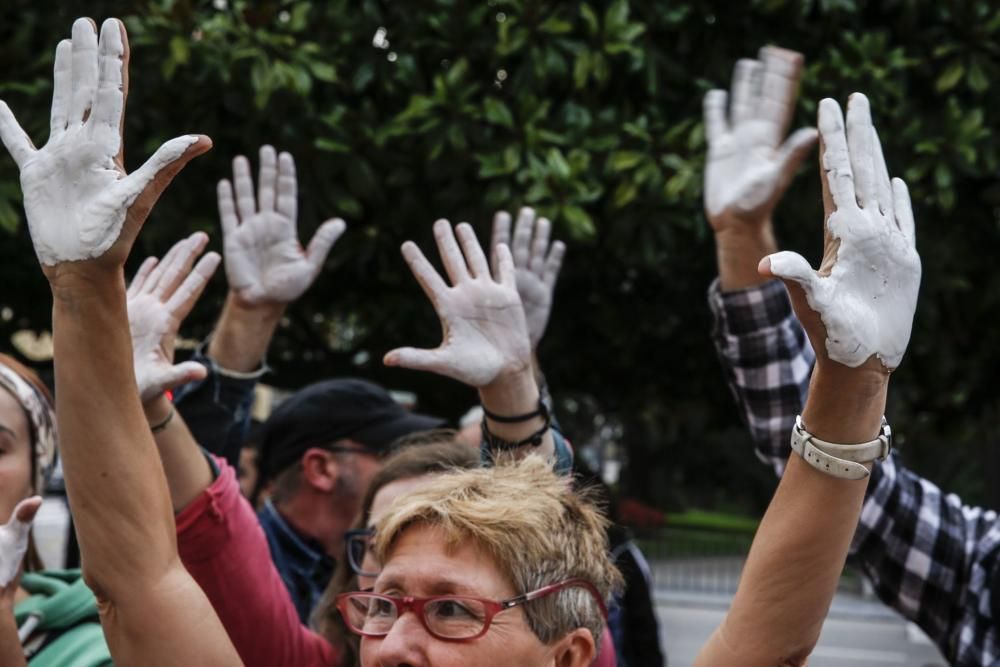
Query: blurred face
[380,503]
[15,454]
[420,565]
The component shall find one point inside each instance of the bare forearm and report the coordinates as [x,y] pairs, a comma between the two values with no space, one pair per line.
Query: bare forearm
[187,471]
[113,475]
[800,548]
[243,334]
[738,251]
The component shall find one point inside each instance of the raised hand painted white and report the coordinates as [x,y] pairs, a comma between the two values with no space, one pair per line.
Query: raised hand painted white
[536,265]
[265,263]
[14,538]
[76,193]
[160,297]
[485,333]
[748,168]
[866,290]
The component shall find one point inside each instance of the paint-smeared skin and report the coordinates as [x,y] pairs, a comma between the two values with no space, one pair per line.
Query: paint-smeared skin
[265,263]
[868,298]
[748,167]
[76,195]
[14,540]
[536,264]
[160,297]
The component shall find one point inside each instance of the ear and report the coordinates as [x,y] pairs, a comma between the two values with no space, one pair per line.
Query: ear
[577,649]
[319,470]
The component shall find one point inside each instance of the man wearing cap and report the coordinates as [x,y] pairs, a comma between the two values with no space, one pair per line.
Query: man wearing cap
[319,449]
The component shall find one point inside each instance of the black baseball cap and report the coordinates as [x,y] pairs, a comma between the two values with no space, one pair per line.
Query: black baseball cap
[333,410]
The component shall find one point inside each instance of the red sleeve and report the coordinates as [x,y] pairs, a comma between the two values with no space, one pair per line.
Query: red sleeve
[225,550]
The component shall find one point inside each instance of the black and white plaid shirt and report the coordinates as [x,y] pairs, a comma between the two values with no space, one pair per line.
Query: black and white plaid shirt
[930,557]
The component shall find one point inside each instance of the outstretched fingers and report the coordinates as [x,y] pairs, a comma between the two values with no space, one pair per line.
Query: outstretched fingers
[140,189]
[109,101]
[779,85]
[187,294]
[451,255]
[267,181]
[14,138]
[903,210]
[523,228]
[746,90]
[245,202]
[139,279]
[85,70]
[434,361]
[860,133]
[322,241]
[553,264]
[227,207]
[175,265]
[714,113]
[501,233]
[506,273]
[883,184]
[475,258]
[540,246]
[62,88]
[792,153]
[838,176]
[428,279]
[288,195]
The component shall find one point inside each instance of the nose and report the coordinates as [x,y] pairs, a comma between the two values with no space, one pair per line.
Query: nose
[404,646]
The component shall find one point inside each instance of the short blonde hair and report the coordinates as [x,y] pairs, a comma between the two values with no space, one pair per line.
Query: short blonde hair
[537,529]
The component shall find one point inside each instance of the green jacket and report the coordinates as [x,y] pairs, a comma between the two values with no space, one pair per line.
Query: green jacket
[62,616]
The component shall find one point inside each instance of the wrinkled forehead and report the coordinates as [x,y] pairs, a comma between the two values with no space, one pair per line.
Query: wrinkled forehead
[423,561]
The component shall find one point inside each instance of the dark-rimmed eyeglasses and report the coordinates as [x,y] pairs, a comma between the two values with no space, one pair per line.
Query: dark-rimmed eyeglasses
[456,618]
[358,542]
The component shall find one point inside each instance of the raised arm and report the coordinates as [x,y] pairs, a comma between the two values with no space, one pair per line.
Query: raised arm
[13,545]
[858,311]
[267,269]
[84,213]
[486,343]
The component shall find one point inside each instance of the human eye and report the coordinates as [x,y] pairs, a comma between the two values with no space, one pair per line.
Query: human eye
[378,607]
[455,609]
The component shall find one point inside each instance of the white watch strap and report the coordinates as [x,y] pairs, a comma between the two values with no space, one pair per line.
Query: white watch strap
[844,461]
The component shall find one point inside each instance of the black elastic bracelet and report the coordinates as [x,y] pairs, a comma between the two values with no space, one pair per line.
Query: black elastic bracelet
[540,411]
[163,424]
[496,443]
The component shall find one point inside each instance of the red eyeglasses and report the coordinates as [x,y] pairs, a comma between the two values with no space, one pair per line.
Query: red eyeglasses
[449,617]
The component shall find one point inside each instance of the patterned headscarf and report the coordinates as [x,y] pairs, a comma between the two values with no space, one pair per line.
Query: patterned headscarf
[42,419]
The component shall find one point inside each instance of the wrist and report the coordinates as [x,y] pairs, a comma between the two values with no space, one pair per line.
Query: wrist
[75,283]
[739,250]
[269,310]
[243,334]
[846,405]
[157,410]
[512,393]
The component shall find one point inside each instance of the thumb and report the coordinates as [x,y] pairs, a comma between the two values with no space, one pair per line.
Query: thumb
[792,153]
[802,284]
[322,241]
[416,359]
[27,509]
[181,374]
[142,188]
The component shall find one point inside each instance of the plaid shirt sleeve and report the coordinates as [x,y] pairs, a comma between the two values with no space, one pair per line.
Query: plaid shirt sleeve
[767,361]
[928,556]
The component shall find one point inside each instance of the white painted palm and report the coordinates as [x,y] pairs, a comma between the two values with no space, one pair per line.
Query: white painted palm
[485,334]
[748,167]
[76,191]
[866,289]
[265,262]
[160,296]
[537,262]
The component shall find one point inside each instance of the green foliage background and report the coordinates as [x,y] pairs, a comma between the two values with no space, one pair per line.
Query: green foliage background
[589,111]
